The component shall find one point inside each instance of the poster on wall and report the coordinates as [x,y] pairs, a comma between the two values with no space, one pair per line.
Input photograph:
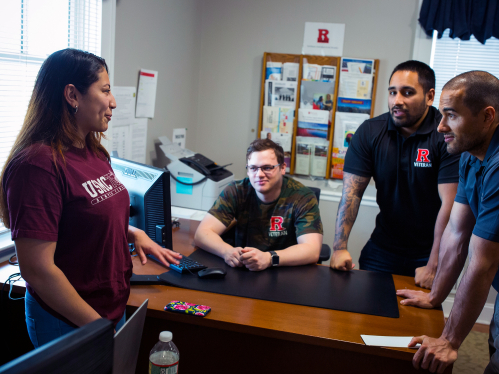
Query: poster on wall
[323,39]
[146,93]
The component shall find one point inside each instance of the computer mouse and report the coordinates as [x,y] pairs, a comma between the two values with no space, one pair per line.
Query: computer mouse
[212,273]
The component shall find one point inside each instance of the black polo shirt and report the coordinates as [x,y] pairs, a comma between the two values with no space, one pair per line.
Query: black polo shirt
[479,188]
[407,173]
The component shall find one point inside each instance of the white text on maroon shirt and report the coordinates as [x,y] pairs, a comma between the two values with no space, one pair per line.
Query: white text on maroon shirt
[103,188]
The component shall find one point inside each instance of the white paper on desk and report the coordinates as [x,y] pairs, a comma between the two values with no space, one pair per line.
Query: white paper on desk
[388,341]
[121,141]
[138,140]
[124,113]
[146,93]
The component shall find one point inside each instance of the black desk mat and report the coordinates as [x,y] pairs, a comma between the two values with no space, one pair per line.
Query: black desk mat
[355,291]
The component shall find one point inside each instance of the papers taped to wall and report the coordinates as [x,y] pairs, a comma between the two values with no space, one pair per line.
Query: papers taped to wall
[146,93]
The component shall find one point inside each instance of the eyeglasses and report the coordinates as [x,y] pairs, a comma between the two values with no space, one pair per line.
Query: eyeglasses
[267,169]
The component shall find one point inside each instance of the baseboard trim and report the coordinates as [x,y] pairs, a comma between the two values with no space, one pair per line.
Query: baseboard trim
[484,318]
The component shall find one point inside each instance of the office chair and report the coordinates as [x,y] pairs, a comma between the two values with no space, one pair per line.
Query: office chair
[325,250]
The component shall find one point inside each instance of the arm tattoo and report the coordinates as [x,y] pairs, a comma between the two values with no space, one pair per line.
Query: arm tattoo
[353,189]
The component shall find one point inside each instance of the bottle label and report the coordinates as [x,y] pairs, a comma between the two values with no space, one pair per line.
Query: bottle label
[163,369]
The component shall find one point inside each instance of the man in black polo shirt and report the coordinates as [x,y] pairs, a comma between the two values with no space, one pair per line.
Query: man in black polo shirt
[416,181]
[470,107]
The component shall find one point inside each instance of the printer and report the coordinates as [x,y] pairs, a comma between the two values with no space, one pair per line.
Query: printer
[195,180]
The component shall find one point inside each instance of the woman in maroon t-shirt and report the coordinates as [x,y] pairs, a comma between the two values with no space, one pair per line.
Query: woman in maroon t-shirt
[67,212]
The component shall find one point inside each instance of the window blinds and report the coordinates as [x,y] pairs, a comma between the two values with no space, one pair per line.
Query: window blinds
[30,30]
[451,57]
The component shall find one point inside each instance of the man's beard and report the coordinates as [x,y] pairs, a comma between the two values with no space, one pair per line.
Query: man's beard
[409,120]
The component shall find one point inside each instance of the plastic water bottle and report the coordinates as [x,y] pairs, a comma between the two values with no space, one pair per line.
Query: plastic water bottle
[164,356]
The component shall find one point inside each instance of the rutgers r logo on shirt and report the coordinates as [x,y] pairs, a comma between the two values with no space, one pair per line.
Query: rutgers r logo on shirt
[103,187]
[422,159]
[276,228]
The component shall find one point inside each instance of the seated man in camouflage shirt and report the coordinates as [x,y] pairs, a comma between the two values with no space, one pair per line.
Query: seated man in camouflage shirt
[277,219]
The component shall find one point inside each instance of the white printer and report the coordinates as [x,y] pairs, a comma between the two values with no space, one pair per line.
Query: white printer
[196,181]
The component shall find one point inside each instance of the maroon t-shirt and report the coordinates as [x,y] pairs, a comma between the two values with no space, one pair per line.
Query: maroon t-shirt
[85,209]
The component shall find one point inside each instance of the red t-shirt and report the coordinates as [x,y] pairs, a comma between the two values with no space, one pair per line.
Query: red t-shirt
[85,209]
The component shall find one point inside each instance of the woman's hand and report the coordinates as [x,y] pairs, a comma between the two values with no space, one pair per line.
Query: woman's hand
[146,246]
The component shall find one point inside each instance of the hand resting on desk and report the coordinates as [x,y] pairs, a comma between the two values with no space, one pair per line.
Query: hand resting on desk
[418,299]
[232,257]
[146,246]
[208,237]
[254,259]
[342,260]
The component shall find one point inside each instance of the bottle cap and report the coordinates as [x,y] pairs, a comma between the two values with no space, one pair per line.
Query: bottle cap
[165,336]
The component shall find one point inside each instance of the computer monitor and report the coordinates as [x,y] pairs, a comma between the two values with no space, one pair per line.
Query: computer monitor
[150,202]
[88,349]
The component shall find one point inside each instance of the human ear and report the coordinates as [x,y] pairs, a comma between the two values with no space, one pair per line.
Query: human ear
[430,96]
[489,115]
[71,95]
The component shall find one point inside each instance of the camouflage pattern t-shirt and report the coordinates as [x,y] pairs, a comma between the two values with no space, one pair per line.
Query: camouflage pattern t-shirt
[268,226]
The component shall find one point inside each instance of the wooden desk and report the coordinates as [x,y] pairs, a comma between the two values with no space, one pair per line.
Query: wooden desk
[248,336]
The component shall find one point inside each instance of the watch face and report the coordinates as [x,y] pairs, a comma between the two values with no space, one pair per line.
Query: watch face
[275,259]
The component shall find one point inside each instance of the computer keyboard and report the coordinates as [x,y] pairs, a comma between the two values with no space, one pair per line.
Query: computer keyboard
[187,265]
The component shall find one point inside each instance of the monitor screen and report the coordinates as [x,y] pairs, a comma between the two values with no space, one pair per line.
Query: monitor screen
[88,349]
[150,203]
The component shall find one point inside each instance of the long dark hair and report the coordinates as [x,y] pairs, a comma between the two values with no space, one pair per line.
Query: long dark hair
[50,120]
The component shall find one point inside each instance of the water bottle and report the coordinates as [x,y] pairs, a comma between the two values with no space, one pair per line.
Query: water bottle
[164,356]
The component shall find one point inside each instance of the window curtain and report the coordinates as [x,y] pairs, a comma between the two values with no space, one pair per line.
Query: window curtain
[463,17]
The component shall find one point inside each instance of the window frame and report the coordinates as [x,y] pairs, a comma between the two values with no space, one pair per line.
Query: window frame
[107,52]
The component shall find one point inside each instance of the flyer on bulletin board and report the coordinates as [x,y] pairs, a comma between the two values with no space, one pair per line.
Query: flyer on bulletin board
[353,107]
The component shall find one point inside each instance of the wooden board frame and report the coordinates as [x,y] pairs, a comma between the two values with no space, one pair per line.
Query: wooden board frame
[320,60]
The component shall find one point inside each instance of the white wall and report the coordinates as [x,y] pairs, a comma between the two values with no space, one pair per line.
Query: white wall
[209,57]
[161,35]
[236,33]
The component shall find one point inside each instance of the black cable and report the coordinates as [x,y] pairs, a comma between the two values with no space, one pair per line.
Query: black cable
[187,184]
[15,263]
[10,280]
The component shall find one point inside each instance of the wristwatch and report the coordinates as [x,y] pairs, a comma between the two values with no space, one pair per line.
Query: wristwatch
[275,258]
